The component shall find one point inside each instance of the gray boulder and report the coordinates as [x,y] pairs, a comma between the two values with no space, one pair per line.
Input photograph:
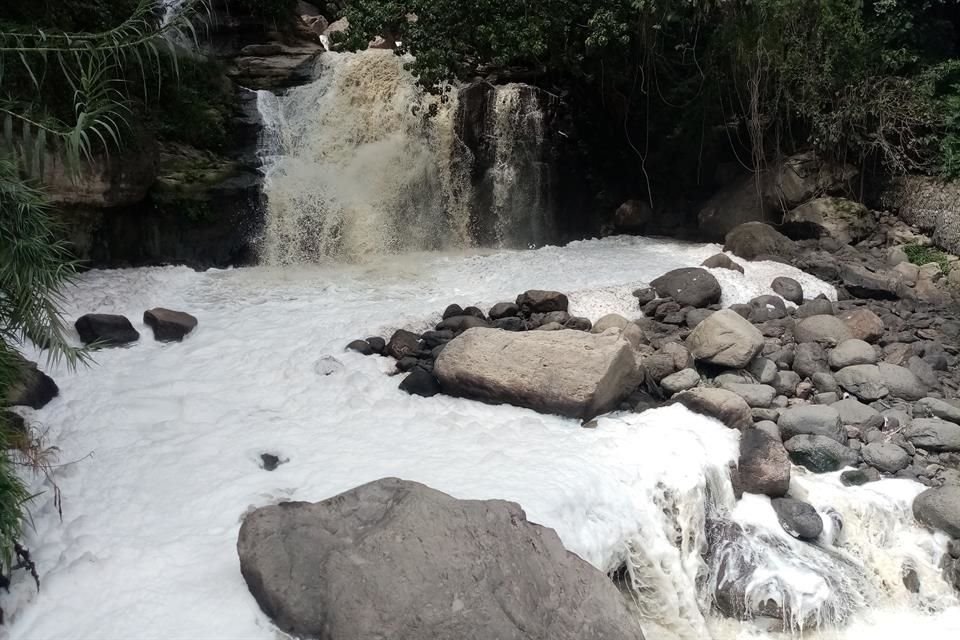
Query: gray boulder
[863,381]
[901,382]
[820,454]
[536,301]
[725,406]
[851,352]
[609,321]
[168,325]
[811,420]
[789,289]
[691,286]
[754,240]
[856,414]
[571,373]
[933,434]
[764,466]
[504,310]
[940,509]
[798,518]
[725,339]
[786,383]
[396,559]
[403,344]
[885,456]
[721,261]
[809,359]
[756,395]
[845,221]
[938,409]
[829,330]
[816,307]
[680,381]
[764,370]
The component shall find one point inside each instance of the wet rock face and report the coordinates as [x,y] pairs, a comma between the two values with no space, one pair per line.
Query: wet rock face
[318,570]
[798,518]
[940,509]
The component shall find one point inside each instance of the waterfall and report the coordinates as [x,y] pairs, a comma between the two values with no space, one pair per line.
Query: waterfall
[362,162]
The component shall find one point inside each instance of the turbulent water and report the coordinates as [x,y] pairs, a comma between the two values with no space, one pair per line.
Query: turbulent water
[161,445]
[362,162]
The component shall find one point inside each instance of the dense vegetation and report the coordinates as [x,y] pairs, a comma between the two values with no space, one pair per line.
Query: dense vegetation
[672,84]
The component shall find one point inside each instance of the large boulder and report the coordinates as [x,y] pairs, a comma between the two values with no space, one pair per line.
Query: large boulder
[820,454]
[855,413]
[798,518]
[396,559]
[863,324]
[725,338]
[403,344]
[106,329]
[721,261]
[691,286]
[764,466]
[725,406]
[633,216]
[30,388]
[866,283]
[933,434]
[901,382]
[845,221]
[885,456]
[864,381]
[169,326]
[571,373]
[825,329]
[811,420]
[851,352]
[788,288]
[940,509]
[938,409]
[754,240]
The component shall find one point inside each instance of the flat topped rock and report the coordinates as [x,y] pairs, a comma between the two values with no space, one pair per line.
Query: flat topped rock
[397,559]
[570,373]
[106,329]
[169,325]
[690,286]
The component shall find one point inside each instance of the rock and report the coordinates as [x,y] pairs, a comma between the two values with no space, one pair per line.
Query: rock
[770,428]
[680,381]
[403,343]
[362,347]
[885,456]
[765,308]
[633,216]
[725,339]
[896,256]
[763,369]
[824,382]
[765,415]
[753,240]
[820,454]
[609,321]
[938,409]
[433,339]
[851,352]
[169,326]
[269,461]
[378,344]
[420,382]
[536,301]
[696,316]
[451,311]
[756,395]
[786,383]
[865,283]
[843,220]
[725,406]
[863,324]
[829,330]
[940,509]
[924,372]
[789,289]
[859,477]
[811,420]
[863,381]
[509,324]
[764,465]
[691,286]
[721,261]
[579,324]
[901,382]
[396,559]
[855,413]
[106,329]
[567,372]
[459,324]
[550,326]
[645,296]
[809,359]
[503,310]
[30,388]
[798,518]
[933,434]
[817,307]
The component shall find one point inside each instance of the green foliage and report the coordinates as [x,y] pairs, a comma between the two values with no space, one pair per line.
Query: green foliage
[921,255]
[189,103]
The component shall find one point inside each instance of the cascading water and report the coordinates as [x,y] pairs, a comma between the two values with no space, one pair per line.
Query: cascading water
[361,162]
